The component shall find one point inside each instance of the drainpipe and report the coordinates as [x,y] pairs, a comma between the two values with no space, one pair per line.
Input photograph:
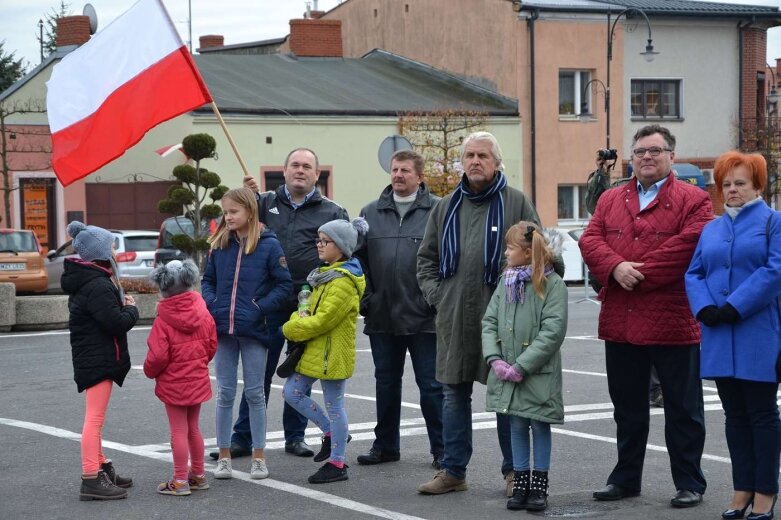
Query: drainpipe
[740,84]
[533,123]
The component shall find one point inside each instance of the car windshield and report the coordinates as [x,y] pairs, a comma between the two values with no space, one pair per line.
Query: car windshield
[18,242]
[177,226]
[144,243]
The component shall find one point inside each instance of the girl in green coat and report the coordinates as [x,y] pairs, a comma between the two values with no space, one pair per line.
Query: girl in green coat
[328,329]
[523,329]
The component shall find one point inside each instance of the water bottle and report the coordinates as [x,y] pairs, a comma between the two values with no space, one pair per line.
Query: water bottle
[303,300]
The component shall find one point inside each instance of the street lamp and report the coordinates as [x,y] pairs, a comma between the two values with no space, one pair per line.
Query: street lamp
[649,54]
[586,115]
[772,97]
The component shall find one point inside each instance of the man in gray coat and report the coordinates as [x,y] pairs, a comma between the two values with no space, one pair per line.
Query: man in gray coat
[397,318]
[459,263]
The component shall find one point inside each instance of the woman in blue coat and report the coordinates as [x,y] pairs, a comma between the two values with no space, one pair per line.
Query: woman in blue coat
[733,285]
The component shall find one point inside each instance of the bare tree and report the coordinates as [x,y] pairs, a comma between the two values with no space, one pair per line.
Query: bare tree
[21,146]
[437,137]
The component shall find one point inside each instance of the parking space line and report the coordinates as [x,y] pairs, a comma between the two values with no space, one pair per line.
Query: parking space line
[301,491]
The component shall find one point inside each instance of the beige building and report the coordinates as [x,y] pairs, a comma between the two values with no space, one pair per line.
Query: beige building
[342,108]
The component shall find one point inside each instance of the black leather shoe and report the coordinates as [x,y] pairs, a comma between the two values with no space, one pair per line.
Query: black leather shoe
[377,457]
[299,449]
[686,498]
[236,451]
[614,492]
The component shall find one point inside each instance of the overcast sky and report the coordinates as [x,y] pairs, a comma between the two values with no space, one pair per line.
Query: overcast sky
[238,20]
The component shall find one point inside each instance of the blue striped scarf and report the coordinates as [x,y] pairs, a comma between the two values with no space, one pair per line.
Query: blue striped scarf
[494,227]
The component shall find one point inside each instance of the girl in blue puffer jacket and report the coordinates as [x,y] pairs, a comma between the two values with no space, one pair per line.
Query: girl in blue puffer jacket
[246,279]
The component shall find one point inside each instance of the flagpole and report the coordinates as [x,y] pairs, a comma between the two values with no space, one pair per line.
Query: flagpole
[230,139]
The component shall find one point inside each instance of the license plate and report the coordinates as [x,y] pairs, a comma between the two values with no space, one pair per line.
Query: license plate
[11,267]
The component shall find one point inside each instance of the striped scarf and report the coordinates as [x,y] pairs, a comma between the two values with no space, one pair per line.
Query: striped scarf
[494,226]
[515,279]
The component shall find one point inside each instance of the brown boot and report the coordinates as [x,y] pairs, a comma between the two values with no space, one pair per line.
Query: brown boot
[100,488]
[442,482]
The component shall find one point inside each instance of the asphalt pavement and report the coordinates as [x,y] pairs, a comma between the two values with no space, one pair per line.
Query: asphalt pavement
[41,415]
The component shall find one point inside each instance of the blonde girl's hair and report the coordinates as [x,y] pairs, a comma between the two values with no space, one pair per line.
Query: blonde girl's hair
[529,234]
[221,237]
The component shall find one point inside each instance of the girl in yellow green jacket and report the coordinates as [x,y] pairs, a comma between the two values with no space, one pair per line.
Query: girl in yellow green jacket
[329,333]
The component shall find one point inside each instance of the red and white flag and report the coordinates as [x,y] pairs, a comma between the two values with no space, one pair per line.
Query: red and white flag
[104,96]
[168,150]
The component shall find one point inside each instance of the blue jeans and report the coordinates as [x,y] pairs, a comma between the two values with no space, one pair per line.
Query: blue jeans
[457,431]
[753,433]
[296,392]
[226,364]
[389,353]
[293,422]
[541,439]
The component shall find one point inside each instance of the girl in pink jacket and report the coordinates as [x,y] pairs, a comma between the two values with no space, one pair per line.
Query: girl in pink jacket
[182,342]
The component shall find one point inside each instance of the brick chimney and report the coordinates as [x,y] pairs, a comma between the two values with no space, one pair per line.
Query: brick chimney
[72,30]
[316,38]
[208,41]
[316,15]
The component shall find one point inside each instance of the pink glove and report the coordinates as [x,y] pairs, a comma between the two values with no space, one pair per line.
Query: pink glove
[500,368]
[513,375]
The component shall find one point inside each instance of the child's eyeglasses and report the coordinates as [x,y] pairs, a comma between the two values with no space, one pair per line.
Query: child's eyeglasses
[321,242]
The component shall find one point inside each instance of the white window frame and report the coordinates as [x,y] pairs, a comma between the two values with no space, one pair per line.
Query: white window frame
[646,117]
[578,192]
[578,92]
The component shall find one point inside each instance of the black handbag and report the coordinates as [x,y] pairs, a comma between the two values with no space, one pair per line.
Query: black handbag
[294,352]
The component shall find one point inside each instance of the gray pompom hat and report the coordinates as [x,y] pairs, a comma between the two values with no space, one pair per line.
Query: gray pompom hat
[175,277]
[345,234]
[91,242]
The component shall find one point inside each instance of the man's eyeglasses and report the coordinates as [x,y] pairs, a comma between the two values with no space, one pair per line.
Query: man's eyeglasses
[655,151]
[320,242]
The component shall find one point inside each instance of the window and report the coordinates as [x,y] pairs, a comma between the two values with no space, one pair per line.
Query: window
[272,178]
[572,202]
[571,100]
[656,98]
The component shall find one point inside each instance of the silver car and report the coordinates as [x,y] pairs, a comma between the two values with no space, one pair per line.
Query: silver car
[135,253]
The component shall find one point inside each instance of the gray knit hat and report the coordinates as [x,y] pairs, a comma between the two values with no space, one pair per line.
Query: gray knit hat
[91,242]
[345,234]
[175,277]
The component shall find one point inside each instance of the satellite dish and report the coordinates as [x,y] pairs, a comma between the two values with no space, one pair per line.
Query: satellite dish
[90,13]
[389,146]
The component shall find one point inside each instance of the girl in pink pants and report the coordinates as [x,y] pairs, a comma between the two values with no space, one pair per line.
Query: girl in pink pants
[100,317]
[182,342]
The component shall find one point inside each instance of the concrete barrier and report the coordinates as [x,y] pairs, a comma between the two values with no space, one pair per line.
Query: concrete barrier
[7,310]
[24,313]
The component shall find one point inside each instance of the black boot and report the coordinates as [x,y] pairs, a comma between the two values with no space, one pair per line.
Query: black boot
[520,491]
[100,488]
[123,482]
[538,491]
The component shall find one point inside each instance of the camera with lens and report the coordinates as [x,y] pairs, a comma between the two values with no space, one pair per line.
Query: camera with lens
[607,154]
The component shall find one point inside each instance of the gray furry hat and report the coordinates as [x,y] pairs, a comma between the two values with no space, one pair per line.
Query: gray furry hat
[175,277]
[91,242]
[345,234]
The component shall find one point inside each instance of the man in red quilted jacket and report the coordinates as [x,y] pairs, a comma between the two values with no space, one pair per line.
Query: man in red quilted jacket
[638,245]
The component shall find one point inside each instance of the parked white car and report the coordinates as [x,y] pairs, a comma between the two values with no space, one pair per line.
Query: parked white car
[135,252]
[573,262]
